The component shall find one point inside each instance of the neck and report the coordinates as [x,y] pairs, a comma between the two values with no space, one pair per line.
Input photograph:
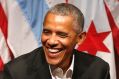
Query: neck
[64,66]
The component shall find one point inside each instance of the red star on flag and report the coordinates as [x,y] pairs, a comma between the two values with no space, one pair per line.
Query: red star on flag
[94,41]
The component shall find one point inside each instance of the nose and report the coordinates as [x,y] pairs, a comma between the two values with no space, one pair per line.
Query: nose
[52,41]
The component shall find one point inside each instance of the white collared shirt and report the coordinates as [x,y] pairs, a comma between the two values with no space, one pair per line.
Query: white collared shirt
[58,72]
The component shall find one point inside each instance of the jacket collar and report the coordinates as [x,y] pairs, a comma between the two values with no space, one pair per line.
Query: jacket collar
[42,68]
[81,65]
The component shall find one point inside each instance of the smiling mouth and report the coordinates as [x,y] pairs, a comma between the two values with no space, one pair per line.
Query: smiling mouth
[54,52]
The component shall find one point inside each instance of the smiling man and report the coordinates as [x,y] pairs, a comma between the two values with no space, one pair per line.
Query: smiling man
[57,58]
[59,39]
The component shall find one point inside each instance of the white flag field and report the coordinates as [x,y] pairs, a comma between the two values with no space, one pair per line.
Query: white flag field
[21,27]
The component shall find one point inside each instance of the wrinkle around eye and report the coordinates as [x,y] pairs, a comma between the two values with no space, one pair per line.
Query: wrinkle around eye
[62,34]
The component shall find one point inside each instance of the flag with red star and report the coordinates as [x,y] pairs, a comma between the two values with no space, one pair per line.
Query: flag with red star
[102,32]
[94,41]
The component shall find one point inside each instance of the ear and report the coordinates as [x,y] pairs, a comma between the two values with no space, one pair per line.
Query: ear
[81,37]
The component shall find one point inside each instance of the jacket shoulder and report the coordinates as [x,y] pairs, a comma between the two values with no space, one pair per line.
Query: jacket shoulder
[25,57]
[22,64]
[87,58]
[86,65]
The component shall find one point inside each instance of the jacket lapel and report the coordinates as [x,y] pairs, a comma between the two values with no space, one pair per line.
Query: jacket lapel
[78,67]
[80,64]
[40,66]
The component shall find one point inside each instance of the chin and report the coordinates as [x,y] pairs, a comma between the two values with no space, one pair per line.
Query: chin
[53,61]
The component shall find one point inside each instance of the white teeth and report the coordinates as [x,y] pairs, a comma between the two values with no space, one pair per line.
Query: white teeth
[53,50]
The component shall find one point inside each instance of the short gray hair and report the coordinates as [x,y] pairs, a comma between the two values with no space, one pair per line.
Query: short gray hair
[66,9]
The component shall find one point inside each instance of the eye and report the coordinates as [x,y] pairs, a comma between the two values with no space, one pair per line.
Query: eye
[62,34]
[46,31]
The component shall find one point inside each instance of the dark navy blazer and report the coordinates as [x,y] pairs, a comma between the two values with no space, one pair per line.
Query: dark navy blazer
[34,66]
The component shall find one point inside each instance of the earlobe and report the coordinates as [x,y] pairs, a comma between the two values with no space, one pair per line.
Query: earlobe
[81,38]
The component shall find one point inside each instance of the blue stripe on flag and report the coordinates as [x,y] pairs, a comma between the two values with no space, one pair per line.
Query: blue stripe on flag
[34,11]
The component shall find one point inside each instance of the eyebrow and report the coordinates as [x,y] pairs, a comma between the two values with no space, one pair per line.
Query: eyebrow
[63,33]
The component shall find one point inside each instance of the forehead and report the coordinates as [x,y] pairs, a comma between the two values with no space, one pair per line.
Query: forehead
[58,21]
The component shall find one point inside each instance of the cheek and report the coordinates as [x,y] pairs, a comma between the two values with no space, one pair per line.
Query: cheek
[44,38]
[68,43]
[65,42]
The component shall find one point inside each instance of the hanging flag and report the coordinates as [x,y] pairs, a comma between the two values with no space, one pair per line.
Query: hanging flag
[113,18]
[99,40]
[20,27]
[4,49]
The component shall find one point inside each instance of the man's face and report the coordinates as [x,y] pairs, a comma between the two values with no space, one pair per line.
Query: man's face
[58,38]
